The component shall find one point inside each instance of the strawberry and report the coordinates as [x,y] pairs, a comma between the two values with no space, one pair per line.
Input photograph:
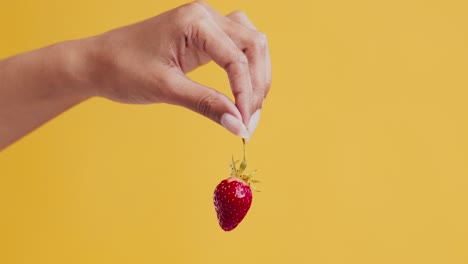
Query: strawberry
[232,200]
[233,196]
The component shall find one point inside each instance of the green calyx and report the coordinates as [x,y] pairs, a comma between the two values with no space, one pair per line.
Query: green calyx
[240,172]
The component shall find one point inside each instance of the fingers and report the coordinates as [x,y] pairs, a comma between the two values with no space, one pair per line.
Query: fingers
[260,70]
[241,18]
[206,101]
[254,45]
[207,36]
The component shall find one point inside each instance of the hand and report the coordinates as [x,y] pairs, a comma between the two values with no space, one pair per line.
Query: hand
[142,63]
[146,63]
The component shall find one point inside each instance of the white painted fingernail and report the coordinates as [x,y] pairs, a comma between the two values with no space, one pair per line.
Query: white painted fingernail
[234,125]
[254,122]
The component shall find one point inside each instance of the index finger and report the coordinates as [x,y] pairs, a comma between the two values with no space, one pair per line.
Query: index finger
[241,18]
[207,36]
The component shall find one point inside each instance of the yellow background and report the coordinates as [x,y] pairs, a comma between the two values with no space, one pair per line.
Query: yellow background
[362,147]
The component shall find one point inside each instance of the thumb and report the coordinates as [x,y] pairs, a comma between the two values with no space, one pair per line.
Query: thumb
[210,103]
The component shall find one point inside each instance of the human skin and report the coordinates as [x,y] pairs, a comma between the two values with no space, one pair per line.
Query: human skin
[140,64]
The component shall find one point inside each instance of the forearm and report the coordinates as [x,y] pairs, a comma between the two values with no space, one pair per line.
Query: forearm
[39,85]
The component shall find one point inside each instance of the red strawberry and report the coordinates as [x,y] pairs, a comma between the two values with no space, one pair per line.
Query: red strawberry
[232,200]
[233,197]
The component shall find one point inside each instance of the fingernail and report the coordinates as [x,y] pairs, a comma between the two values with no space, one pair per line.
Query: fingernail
[254,122]
[234,125]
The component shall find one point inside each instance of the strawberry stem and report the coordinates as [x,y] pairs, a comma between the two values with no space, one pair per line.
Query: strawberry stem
[243,145]
[243,164]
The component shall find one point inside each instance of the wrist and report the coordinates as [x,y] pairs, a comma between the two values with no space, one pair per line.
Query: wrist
[74,68]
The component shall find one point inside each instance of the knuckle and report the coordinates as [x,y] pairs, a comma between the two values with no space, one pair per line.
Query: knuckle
[258,99]
[205,104]
[195,7]
[262,37]
[241,93]
[239,14]
[241,58]
[259,41]
[191,12]
[238,62]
